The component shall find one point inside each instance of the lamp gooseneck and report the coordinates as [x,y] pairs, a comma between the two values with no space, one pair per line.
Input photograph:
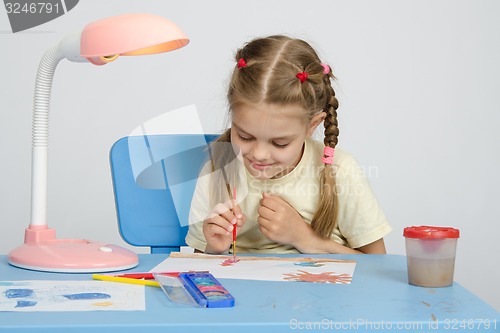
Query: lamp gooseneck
[40,135]
[68,48]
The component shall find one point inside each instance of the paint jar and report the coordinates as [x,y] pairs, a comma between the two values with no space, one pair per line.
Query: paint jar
[430,255]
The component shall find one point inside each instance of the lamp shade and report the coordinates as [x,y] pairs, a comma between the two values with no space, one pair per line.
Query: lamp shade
[129,34]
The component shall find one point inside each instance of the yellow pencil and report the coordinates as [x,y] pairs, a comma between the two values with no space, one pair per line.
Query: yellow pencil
[125,280]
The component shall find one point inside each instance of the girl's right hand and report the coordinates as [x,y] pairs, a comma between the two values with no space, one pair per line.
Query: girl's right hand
[218,227]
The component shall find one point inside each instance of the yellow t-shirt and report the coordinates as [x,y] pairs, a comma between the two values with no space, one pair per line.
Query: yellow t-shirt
[360,220]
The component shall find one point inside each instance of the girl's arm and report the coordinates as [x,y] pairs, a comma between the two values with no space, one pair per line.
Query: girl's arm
[377,247]
[281,223]
[318,245]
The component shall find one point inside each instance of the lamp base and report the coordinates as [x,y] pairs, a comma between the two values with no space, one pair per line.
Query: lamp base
[41,251]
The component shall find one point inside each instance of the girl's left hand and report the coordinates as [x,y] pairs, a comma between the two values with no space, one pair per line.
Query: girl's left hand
[281,223]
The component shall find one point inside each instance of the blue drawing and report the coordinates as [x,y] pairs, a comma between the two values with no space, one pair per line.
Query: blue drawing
[309,264]
[84,296]
[19,293]
[24,304]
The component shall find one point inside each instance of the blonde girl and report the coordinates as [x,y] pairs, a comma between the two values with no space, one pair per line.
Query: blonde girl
[302,195]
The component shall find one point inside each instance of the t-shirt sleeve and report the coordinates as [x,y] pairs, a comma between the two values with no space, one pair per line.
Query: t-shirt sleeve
[361,220]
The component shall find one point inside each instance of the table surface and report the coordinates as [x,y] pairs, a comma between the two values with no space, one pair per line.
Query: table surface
[378,299]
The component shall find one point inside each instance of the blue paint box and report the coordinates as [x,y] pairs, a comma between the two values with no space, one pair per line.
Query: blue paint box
[200,289]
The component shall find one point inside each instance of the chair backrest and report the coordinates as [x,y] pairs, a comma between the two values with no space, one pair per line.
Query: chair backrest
[145,208]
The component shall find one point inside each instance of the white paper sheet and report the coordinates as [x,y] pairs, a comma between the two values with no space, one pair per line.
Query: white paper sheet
[45,295]
[263,268]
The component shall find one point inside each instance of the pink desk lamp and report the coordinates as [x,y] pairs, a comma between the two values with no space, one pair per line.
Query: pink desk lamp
[99,43]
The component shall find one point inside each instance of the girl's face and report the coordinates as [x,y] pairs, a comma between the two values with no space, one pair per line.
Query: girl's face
[271,137]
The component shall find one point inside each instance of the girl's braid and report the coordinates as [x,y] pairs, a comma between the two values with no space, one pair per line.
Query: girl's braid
[331,123]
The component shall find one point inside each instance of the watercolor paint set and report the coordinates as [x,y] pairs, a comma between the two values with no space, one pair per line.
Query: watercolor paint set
[199,289]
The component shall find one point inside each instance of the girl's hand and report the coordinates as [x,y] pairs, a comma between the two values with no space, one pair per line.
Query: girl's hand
[281,223]
[218,227]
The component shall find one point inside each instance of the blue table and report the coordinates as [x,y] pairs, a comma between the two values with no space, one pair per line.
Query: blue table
[378,299]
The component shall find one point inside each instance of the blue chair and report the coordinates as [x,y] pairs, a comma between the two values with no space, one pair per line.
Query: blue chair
[144,169]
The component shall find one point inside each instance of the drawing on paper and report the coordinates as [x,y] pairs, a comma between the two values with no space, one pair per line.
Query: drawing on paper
[325,277]
[18,293]
[229,262]
[309,264]
[41,295]
[83,296]
[321,270]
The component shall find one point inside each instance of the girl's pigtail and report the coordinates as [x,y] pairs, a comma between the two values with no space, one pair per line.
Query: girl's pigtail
[325,218]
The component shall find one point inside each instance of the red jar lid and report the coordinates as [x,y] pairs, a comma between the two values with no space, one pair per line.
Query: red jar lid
[424,232]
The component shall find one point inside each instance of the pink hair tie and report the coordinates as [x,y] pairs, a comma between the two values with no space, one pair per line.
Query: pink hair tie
[302,76]
[242,63]
[326,69]
[328,155]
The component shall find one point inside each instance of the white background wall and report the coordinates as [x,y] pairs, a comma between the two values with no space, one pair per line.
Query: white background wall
[419,109]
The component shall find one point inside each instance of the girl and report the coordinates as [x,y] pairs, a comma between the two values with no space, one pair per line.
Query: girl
[301,198]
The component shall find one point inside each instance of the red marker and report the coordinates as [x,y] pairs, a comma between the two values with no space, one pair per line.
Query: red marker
[145,276]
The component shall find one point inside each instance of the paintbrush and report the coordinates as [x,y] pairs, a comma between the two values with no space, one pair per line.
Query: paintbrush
[233,203]
[231,194]
[234,229]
